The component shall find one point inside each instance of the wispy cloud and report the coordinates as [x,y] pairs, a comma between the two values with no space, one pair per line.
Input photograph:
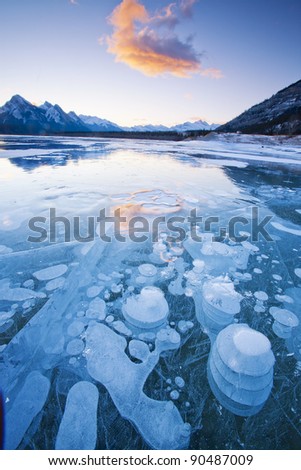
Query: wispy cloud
[74,2]
[212,73]
[148,43]
[167,16]
[186,7]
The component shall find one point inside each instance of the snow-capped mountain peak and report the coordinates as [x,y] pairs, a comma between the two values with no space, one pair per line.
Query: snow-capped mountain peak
[16,107]
[17,101]
[194,126]
[97,124]
[46,105]
[54,112]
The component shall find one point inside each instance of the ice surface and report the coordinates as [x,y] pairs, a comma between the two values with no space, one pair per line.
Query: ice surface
[244,350]
[174,394]
[6,325]
[55,284]
[220,294]
[97,309]
[5,249]
[75,347]
[147,310]
[236,392]
[78,428]
[179,382]
[176,287]
[55,343]
[217,304]
[4,316]
[139,350]
[284,317]
[251,343]
[51,273]
[284,298]
[244,381]
[285,321]
[238,355]
[94,291]
[147,270]
[29,284]
[167,338]
[260,295]
[257,271]
[109,319]
[119,326]
[217,176]
[283,228]
[40,343]
[298,272]
[75,328]
[159,422]
[184,326]
[28,403]
[19,294]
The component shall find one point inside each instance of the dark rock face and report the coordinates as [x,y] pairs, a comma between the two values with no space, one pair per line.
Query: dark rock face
[280,114]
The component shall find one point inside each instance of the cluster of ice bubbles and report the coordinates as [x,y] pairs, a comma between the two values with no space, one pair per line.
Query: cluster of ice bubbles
[240,369]
[115,325]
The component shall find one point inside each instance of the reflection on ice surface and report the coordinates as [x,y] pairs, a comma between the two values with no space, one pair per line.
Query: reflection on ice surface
[120,345]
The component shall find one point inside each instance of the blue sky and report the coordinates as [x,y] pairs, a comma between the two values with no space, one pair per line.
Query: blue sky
[208,59]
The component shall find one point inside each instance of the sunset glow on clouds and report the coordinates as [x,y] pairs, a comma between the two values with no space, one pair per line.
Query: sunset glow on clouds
[149,43]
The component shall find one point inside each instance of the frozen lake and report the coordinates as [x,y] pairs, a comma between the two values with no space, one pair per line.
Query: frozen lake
[112,331]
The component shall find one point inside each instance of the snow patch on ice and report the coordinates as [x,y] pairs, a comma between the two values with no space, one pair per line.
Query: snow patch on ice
[51,273]
[78,428]
[283,228]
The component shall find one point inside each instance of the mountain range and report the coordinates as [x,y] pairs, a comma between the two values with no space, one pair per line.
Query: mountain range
[19,116]
[280,114]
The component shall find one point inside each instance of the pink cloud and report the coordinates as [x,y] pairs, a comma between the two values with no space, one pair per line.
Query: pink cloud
[139,40]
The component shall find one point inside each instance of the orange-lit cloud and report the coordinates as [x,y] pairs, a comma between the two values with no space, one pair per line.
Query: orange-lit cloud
[149,44]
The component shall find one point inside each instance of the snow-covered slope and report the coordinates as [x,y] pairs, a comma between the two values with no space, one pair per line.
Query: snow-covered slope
[96,124]
[58,119]
[281,114]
